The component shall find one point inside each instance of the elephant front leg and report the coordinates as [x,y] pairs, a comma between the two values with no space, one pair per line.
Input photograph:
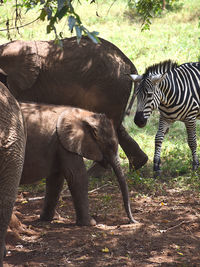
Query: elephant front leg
[77,179]
[2,245]
[162,130]
[54,185]
[192,142]
[6,207]
[137,158]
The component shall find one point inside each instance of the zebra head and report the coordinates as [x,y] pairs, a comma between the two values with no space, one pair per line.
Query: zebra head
[148,96]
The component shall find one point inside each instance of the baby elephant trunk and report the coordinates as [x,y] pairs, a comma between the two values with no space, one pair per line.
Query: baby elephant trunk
[115,163]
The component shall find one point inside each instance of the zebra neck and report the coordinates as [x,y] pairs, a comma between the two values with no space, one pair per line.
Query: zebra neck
[167,93]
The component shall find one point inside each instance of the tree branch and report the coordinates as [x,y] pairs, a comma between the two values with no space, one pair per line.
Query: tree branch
[15,28]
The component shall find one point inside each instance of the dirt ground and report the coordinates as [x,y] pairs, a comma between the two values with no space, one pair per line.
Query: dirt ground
[167,232]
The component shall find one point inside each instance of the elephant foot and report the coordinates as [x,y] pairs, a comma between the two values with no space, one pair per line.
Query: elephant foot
[96,170]
[46,216]
[88,222]
[137,163]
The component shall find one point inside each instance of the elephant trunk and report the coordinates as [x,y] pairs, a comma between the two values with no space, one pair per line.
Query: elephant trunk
[115,163]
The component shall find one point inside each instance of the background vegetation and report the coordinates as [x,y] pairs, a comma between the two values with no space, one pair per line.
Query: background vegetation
[174,34]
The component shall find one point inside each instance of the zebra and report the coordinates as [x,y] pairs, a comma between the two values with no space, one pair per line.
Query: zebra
[175,91]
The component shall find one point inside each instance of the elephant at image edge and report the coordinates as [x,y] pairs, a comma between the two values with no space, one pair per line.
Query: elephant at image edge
[12,149]
[86,75]
[58,137]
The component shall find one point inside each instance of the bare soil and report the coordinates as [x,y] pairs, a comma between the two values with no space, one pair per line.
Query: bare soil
[167,232]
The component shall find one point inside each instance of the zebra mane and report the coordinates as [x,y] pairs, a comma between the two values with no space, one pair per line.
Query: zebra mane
[161,67]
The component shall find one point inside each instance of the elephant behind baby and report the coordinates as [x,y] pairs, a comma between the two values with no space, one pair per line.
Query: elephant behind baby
[58,137]
[85,75]
[12,148]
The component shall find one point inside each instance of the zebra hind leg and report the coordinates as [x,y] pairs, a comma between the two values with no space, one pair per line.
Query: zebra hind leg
[192,142]
[156,167]
[195,164]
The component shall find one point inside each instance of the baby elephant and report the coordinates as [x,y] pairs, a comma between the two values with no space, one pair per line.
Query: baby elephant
[58,137]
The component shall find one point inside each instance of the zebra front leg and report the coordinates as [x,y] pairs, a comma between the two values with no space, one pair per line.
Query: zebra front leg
[192,142]
[162,130]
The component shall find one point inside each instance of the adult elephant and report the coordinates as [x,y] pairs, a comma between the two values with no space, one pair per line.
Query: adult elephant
[86,75]
[12,147]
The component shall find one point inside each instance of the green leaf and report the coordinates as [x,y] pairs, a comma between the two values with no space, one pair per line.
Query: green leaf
[93,37]
[95,33]
[78,33]
[43,14]
[62,12]
[49,13]
[49,28]
[71,23]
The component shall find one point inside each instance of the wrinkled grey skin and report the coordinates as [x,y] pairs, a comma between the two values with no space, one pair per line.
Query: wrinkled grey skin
[86,75]
[58,137]
[12,147]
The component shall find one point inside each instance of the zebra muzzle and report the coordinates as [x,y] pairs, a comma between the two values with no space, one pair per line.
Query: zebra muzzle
[139,119]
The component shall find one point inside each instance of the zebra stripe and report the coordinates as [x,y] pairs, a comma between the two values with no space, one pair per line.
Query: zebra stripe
[175,91]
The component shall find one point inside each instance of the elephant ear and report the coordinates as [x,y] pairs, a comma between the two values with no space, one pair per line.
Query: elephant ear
[21,63]
[76,132]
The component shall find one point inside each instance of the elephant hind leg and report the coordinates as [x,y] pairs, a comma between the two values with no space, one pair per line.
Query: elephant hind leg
[54,185]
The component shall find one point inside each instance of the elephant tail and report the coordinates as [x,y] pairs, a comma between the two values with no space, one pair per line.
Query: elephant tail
[133,70]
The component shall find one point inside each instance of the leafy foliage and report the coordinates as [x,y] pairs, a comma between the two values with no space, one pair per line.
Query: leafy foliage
[54,11]
[148,9]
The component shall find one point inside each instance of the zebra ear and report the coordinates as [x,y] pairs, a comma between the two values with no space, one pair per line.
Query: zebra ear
[157,78]
[135,77]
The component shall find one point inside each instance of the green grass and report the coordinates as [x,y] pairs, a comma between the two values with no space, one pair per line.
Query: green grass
[174,35]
